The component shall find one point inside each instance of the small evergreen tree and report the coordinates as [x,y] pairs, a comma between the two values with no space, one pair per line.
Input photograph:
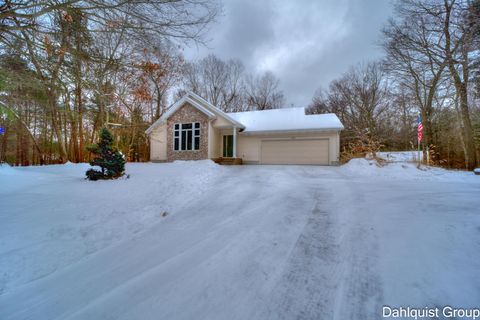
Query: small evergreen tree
[110,161]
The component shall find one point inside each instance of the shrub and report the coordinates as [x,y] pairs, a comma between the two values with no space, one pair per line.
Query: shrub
[111,162]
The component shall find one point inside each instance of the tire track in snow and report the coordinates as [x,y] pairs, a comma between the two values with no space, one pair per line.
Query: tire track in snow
[305,290]
[361,294]
[331,272]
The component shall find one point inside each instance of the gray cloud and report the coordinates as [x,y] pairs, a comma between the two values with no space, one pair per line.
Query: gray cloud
[305,43]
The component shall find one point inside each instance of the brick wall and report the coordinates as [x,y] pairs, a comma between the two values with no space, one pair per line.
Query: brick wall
[187,114]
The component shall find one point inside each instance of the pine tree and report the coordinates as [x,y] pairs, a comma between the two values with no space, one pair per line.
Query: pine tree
[111,162]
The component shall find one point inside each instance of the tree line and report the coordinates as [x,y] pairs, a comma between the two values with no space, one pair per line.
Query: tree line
[69,68]
[431,69]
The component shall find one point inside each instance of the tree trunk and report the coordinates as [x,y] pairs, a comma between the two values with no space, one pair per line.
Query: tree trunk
[73,138]
[3,148]
[462,132]
[159,104]
[471,154]
[18,138]
[56,126]
[80,124]
[79,103]
[461,88]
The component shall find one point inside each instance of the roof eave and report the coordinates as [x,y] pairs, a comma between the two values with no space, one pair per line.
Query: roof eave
[218,111]
[258,132]
[186,98]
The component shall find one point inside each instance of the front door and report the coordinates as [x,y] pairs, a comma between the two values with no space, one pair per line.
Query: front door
[228,146]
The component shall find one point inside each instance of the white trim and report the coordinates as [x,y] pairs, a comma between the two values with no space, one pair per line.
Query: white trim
[177,106]
[180,129]
[217,110]
[234,142]
[181,102]
[261,132]
[209,145]
[199,103]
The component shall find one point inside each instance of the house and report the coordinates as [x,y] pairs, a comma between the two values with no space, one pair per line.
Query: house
[194,129]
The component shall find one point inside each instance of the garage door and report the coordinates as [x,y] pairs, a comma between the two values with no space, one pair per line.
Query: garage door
[311,151]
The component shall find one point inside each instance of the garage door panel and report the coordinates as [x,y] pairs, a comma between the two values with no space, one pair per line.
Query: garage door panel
[306,151]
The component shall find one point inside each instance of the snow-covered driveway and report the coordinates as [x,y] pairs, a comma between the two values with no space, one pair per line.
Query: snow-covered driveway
[242,242]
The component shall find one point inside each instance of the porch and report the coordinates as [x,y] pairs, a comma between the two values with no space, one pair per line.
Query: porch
[228,161]
[224,145]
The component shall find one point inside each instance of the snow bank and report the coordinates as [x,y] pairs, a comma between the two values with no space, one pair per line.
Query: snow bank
[400,156]
[361,167]
[6,169]
[15,178]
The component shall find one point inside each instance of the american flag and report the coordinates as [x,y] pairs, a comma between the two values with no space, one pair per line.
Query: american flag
[419,129]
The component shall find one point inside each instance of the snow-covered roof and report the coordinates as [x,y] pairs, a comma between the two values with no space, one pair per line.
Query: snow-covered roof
[286,119]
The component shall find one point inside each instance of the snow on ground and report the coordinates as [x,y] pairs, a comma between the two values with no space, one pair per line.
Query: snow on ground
[402,170]
[54,211]
[240,242]
[400,156]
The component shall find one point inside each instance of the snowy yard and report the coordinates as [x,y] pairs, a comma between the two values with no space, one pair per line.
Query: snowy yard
[240,242]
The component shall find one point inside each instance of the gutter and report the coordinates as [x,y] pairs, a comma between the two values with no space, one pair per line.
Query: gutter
[260,132]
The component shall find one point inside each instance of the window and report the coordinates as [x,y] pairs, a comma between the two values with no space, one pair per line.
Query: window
[186,136]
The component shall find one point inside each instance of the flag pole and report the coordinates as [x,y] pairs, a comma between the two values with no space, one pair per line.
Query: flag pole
[419,159]
[418,140]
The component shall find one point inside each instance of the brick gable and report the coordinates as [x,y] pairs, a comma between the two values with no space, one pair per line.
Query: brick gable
[186,114]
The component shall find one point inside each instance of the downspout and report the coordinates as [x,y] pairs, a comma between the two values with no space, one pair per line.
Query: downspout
[234,142]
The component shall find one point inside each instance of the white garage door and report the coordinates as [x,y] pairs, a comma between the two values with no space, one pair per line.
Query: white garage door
[311,151]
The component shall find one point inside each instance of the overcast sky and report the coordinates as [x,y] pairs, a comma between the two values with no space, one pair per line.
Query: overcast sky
[305,43]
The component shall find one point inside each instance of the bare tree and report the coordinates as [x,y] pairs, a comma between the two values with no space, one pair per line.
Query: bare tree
[234,95]
[361,99]
[169,18]
[427,38]
[262,92]
[80,50]
[214,73]
[218,81]
[405,112]
[414,59]
[459,23]
[160,70]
